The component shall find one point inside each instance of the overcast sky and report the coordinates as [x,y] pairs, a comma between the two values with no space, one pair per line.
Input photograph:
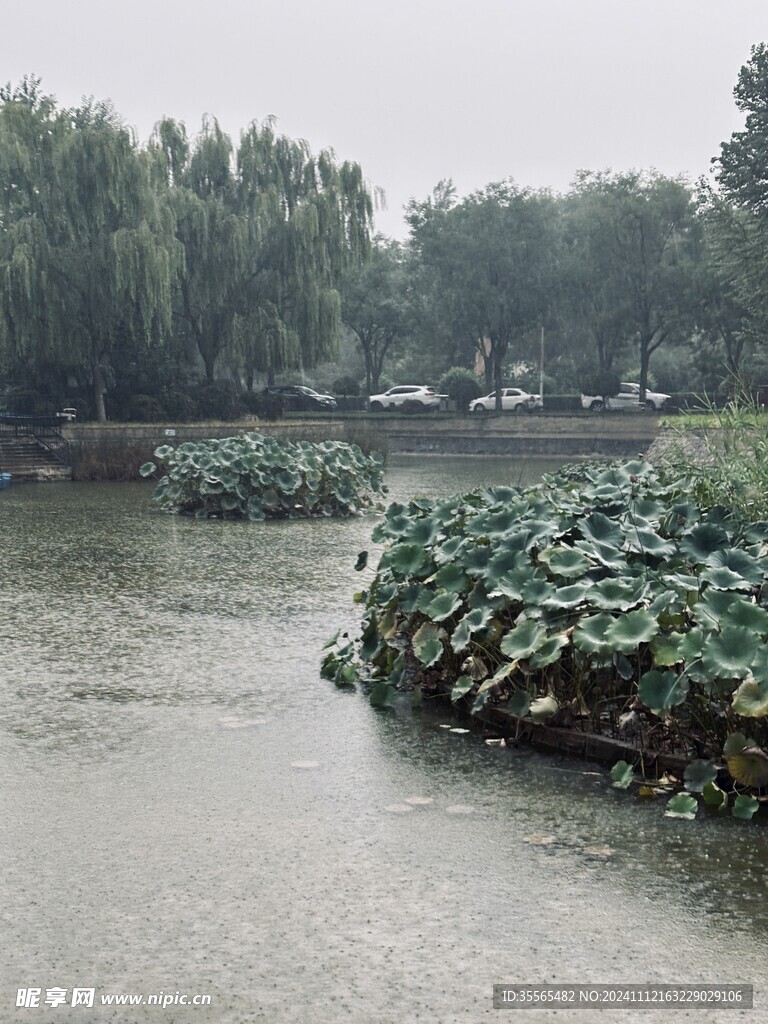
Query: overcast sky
[414,90]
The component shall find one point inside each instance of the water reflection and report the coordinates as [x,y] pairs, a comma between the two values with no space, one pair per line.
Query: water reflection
[190,807]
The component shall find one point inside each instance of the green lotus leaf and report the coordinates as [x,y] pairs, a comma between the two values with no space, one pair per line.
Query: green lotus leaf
[660,691]
[461,687]
[603,554]
[564,561]
[427,643]
[230,502]
[741,562]
[729,654]
[568,597]
[519,703]
[667,650]
[598,527]
[712,607]
[725,579]
[148,469]
[407,599]
[751,698]
[648,542]
[382,695]
[421,531]
[735,743]
[714,796]
[622,774]
[442,605]
[682,806]
[472,622]
[744,807]
[512,583]
[630,630]
[543,708]
[616,595]
[475,559]
[698,774]
[450,577]
[406,558]
[742,612]
[523,640]
[703,540]
[164,452]
[589,634]
[549,652]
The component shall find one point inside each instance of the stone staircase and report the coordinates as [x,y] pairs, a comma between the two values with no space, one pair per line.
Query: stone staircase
[25,458]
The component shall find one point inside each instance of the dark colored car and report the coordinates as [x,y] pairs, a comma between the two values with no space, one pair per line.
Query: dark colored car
[300,398]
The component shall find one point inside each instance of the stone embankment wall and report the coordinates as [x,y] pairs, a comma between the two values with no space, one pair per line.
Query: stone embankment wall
[601,435]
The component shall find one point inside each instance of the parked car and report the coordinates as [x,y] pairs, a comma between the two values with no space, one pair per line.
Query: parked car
[406,395]
[627,398]
[512,400]
[300,398]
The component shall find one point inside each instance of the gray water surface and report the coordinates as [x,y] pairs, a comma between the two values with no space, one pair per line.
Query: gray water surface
[187,807]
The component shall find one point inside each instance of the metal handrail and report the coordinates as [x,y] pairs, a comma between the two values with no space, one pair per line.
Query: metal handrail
[43,429]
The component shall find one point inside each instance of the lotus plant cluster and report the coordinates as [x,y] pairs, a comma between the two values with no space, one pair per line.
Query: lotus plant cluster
[604,600]
[255,476]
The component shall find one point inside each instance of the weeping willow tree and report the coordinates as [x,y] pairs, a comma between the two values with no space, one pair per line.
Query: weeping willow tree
[268,232]
[87,253]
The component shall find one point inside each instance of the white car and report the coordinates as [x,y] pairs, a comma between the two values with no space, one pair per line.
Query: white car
[397,397]
[512,400]
[627,398]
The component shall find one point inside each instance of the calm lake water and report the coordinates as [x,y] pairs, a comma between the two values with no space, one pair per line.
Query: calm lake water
[188,808]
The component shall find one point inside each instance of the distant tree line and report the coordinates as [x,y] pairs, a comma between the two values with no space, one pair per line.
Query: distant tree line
[148,280]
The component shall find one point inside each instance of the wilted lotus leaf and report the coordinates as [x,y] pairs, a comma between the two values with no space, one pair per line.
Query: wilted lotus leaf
[428,643]
[630,630]
[682,806]
[475,667]
[565,561]
[698,774]
[523,640]
[751,698]
[543,708]
[729,654]
[748,766]
[660,691]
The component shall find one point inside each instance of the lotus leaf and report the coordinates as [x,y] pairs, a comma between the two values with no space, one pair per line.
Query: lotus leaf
[660,691]
[382,695]
[512,583]
[406,558]
[568,597]
[682,806]
[743,612]
[598,527]
[603,554]
[473,621]
[543,708]
[667,650]
[622,774]
[744,807]
[749,766]
[537,589]
[735,743]
[523,640]
[589,634]
[423,531]
[441,606]
[616,595]
[725,579]
[475,559]
[750,568]
[630,630]
[646,542]
[450,577]
[751,698]
[698,774]
[729,654]
[408,597]
[565,561]
[703,540]
[461,687]
[549,652]
[428,643]
[714,796]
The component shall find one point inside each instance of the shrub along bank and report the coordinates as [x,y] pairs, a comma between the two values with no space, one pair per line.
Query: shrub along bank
[605,601]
